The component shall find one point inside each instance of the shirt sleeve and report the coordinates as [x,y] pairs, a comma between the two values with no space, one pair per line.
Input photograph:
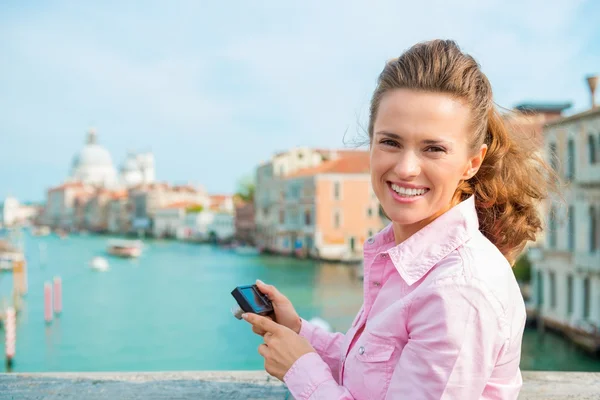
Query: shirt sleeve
[310,379]
[328,345]
[455,338]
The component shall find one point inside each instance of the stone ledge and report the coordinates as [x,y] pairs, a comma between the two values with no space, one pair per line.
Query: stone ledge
[233,385]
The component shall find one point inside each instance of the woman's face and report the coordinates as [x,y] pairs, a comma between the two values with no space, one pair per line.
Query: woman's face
[419,154]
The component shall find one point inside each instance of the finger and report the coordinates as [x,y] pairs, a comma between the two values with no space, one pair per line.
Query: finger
[267,338]
[263,350]
[271,291]
[266,324]
[258,331]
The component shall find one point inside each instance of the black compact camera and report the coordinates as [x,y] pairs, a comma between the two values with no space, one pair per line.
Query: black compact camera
[250,300]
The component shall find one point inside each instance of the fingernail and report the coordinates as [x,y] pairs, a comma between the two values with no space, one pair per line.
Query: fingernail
[245,316]
[260,282]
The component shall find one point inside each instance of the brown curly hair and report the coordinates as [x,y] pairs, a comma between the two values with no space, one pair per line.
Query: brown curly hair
[513,177]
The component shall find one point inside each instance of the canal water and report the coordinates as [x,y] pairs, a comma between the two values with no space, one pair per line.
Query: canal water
[170,309]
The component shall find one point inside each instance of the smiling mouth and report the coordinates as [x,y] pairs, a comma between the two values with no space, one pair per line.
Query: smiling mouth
[408,192]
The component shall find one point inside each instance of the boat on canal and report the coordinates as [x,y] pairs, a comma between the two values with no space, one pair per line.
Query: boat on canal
[124,248]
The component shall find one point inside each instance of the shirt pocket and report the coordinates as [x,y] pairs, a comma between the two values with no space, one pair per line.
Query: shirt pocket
[372,367]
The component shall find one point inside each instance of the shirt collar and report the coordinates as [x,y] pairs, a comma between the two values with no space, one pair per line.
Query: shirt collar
[414,257]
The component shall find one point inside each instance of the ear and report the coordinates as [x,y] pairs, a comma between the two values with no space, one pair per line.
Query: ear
[475,163]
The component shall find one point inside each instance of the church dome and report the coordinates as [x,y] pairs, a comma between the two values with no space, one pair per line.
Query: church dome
[93,165]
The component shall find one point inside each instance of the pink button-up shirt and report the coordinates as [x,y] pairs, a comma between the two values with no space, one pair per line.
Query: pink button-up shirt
[442,317]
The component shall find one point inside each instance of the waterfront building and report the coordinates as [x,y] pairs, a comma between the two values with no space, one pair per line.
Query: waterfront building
[221,202]
[92,169]
[146,200]
[169,221]
[566,273]
[245,225]
[316,203]
[12,212]
[269,180]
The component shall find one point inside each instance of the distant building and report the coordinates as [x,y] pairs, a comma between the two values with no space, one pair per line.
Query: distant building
[62,202]
[566,273]
[146,200]
[245,224]
[72,205]
[269,185]
[529,119]
[169,221]
[93,164]
[118,213]
[323,207]
[209,225]
[221,202]
[12,212]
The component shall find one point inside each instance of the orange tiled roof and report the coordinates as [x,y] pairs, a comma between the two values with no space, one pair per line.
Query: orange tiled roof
[181,204]
[67,185]
[356,162]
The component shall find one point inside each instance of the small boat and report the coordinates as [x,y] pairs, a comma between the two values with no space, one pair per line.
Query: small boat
[9,256]
[99,264]
[40,231]
[246,250]
[125,248]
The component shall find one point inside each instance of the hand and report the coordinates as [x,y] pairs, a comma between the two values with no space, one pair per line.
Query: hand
[285,314]
[282,346]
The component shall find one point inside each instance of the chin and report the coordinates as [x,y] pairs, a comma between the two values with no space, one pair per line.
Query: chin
[404,217]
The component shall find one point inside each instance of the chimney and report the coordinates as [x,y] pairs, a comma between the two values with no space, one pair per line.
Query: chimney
[592,81]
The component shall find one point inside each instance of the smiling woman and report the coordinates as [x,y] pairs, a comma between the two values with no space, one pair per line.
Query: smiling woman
[443,316]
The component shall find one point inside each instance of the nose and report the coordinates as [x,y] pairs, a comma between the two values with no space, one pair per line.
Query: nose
[408,165]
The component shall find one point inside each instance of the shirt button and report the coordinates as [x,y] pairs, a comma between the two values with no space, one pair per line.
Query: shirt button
[371,240]
[383,255]
[361,350]
[377,284]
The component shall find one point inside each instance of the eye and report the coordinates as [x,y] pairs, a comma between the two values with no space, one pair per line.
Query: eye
[435,149]
[389,142]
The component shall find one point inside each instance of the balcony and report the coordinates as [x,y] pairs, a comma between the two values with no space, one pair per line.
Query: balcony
[588,261]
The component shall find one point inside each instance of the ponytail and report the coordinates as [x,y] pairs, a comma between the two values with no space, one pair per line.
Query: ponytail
[509,187]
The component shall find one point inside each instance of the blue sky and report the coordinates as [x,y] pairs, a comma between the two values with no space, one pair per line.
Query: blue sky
[213,90]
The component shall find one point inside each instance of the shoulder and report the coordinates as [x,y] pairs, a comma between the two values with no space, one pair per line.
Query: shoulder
[480,275]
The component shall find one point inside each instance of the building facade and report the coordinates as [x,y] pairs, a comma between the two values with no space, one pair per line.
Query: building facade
[324,209]
[566,273]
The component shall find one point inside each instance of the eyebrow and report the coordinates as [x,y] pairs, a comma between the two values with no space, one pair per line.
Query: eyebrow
[399,138]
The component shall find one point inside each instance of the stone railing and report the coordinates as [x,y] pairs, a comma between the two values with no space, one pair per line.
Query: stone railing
[233,385]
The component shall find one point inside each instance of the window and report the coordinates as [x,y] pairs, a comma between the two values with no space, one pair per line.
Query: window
[336,219]
[553,157]
[540,288]
[552,228]
[571,227]
[370,234]
[592,148]
[571,159]
[370,212]
[281,217]
[552,278]
[307,218]
[570,294]
[593,229]
[336,190]
[586,298]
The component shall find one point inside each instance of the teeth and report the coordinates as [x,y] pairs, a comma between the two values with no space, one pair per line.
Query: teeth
[408,192]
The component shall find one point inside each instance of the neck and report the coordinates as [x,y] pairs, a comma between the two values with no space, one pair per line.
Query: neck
[404,231]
